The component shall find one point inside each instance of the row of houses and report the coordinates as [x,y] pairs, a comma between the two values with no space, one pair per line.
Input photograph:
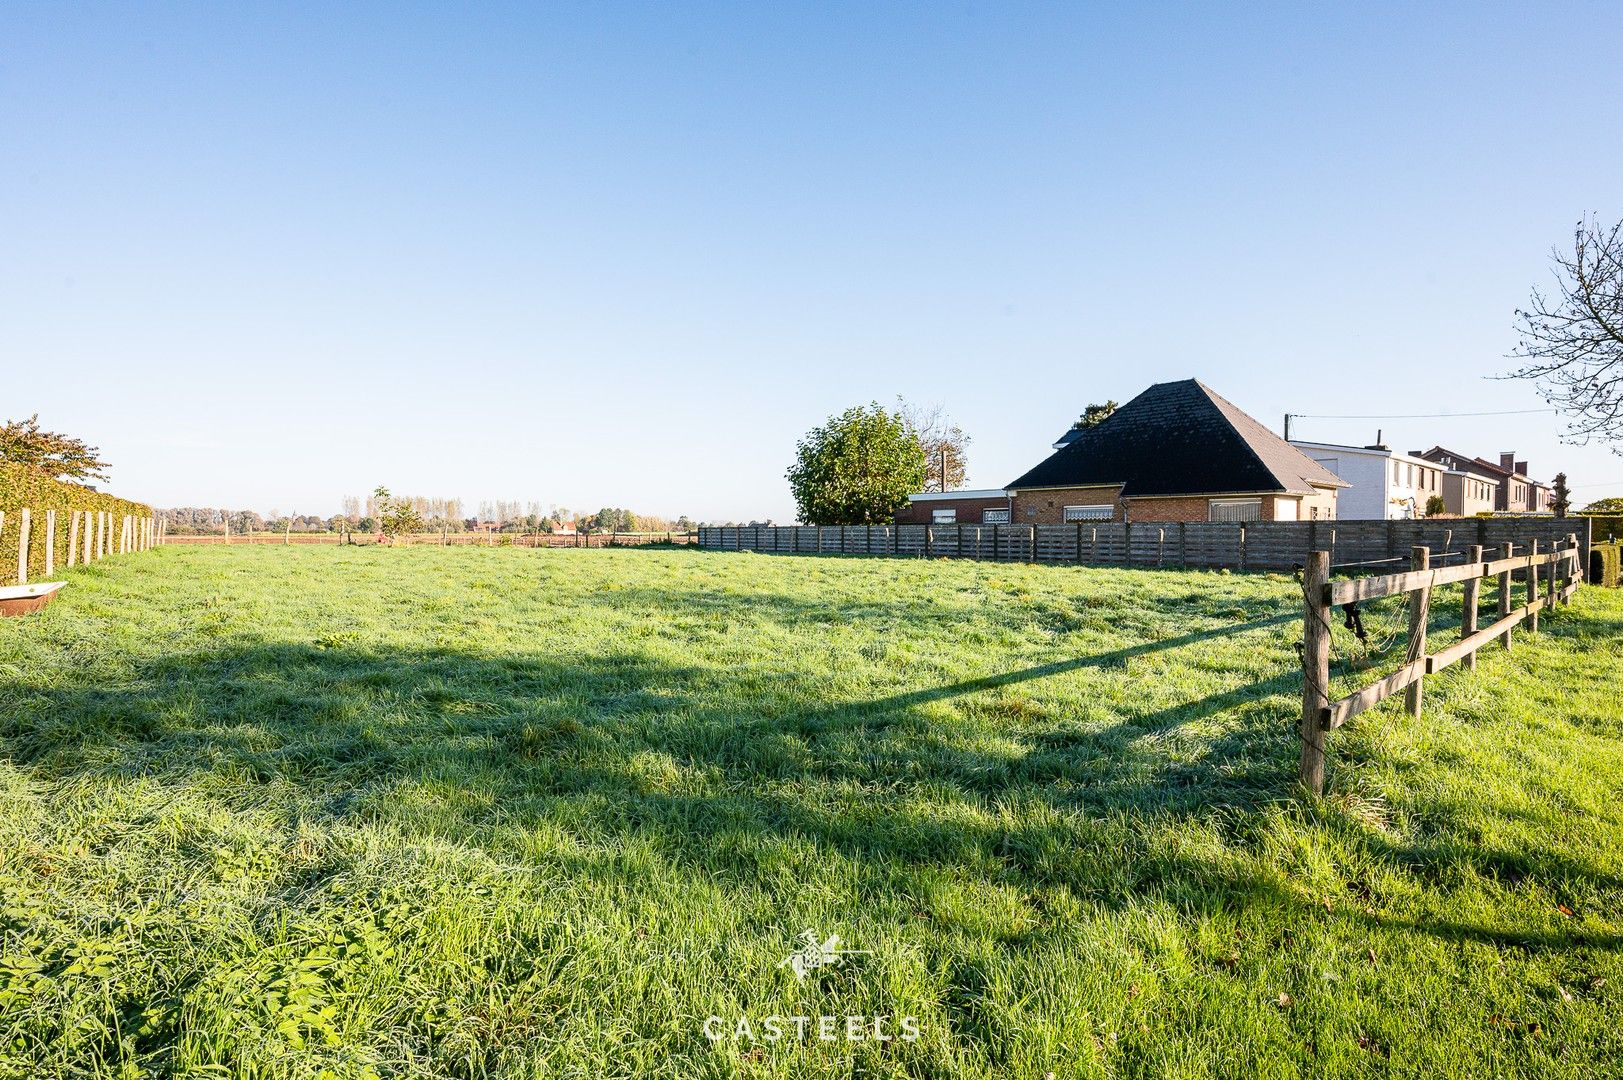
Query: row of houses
[1181,452]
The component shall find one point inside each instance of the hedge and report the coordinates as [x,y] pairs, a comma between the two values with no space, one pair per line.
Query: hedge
[21,488]
[1604,525]
[1606,564]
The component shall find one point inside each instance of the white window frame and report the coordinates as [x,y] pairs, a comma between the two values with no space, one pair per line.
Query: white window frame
[1236,504]
[948,516]
[1089,512]
[994,516]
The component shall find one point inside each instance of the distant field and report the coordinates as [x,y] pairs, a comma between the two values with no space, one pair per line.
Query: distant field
[352,812]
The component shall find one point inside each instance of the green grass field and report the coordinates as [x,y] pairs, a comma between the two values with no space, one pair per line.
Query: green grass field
[496,813]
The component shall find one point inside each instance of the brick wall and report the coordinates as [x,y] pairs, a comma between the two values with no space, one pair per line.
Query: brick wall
[1187,508]
[968,510]
[1046,506]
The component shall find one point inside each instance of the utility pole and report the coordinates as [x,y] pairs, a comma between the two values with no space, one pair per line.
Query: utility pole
[1287,427]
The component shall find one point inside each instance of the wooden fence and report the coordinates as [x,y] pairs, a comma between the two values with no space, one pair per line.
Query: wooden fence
[1261,545]
[91,535]
[1561,570]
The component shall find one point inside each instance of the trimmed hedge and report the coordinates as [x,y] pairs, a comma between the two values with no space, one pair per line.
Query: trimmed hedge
[22,487]
[1604,525]
[1606,564]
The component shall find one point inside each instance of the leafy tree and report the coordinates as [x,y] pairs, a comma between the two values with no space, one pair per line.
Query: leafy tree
[1562,501]
[396,516]
[857,468]
[1435,506]
[946,461]
[57,456]
[1572,342]
[1613,505]
[1094,415]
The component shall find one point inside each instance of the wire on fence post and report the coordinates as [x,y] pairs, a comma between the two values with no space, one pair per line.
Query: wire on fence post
[1315,668]
[1419,611]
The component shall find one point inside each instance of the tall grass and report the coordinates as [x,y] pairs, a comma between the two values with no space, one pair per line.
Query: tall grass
[295,812]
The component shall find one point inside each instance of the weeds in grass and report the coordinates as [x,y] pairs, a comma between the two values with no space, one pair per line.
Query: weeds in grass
[503,813]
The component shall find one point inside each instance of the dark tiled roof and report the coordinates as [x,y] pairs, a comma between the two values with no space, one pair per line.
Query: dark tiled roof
[1437,453]
[1180,438]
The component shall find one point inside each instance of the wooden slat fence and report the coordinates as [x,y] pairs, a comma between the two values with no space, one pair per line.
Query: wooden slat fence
[1365,546]
[1560,571]
[49,540]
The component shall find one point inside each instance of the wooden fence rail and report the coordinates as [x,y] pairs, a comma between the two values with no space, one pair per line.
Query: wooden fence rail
[90,537]
[1321,714]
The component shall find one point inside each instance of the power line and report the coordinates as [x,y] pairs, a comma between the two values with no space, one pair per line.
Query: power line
[1414,416]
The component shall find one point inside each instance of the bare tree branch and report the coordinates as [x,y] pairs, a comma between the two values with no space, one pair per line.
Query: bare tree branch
[1572,340]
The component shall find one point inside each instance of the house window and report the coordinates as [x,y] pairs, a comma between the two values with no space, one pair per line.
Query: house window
[943,517]
[1236,510]
[1096,512]
[1397,472]
[995,517]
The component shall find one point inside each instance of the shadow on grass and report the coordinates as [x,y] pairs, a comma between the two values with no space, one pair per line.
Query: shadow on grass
[717,768]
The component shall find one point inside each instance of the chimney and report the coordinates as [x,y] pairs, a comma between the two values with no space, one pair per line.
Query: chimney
[1521,467]
[1507,460]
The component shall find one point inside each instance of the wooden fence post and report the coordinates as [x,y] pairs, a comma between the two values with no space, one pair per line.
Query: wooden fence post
[1532,588]
[1575,569]
[1509,551]
[22,547]
[1242,549]
[1127,544]
[50,542]
[1315,668]
[1033,529]
[1079,541]
[1550,579]
[73,537]
[1473,592]
[1419,611]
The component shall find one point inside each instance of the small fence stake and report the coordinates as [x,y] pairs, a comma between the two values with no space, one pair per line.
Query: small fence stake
[1532,588]
[1504,593]
[1419,609]
[22,547]
[1473,592]
[1315,669]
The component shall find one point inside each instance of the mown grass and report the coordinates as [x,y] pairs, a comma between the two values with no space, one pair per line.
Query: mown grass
[467,813]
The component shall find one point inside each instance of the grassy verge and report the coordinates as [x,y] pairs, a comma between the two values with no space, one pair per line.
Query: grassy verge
[489,812]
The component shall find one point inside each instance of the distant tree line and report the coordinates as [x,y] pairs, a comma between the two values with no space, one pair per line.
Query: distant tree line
[382,510]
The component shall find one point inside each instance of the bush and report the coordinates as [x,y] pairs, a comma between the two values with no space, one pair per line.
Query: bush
[22,487]
[1605,526]
[1606,564]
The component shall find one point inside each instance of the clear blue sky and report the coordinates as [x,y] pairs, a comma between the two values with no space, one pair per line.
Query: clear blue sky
[626,254]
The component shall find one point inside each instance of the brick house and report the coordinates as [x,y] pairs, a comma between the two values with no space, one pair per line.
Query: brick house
[1517,492]
[985,507]
[1176,452]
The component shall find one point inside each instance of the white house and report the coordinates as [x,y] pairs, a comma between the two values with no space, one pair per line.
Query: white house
[1386,484]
